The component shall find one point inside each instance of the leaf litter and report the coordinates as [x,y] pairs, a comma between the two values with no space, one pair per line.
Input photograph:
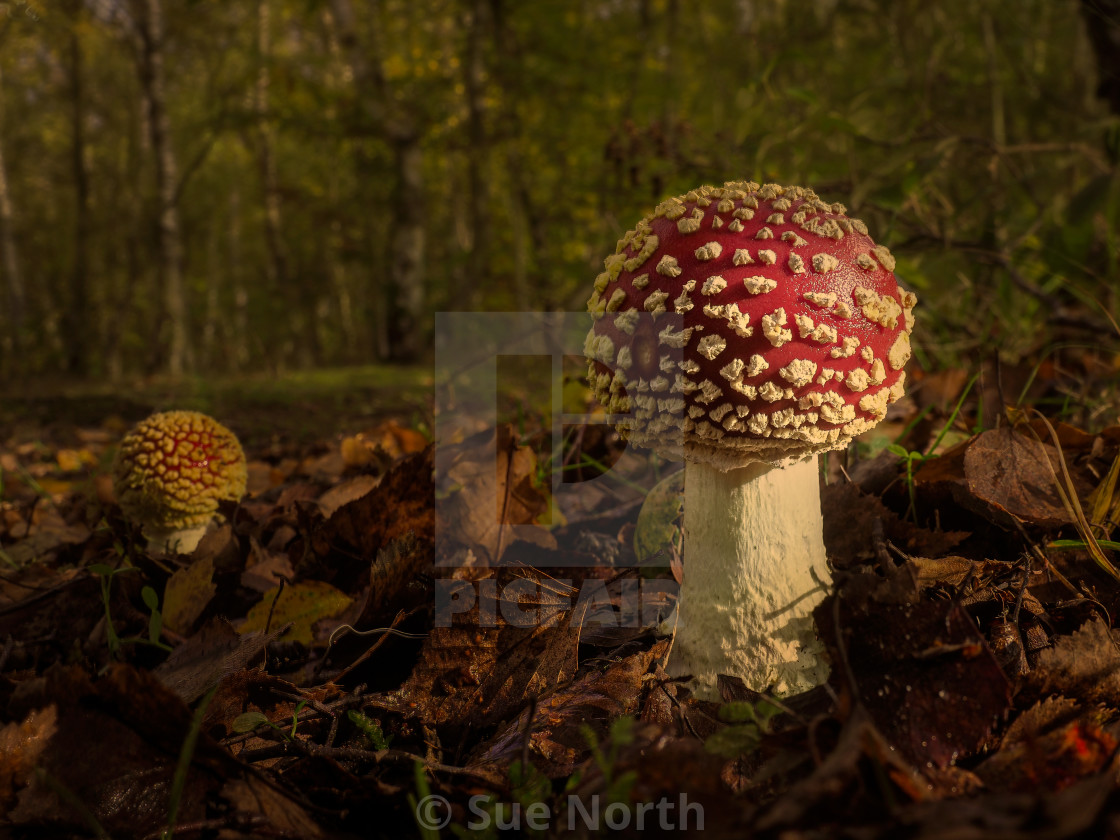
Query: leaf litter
[976,673]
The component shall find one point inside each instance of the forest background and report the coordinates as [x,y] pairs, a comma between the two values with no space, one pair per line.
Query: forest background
[200,186]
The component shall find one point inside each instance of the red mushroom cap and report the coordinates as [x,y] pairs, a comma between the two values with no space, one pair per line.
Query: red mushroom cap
[795,330]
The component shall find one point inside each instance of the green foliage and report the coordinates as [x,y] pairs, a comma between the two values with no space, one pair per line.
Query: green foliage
[909,458]
[912,457]
[749,722]
[423,791]
[370,728]
[106,573]
[528,786]
[967,135]
[183,766]
[251,721]
[617,786]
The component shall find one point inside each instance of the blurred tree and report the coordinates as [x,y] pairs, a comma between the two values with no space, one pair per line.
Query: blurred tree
[149,31]
[299,182]
[383,110]
[1102,19]
[76,317]
[11,325]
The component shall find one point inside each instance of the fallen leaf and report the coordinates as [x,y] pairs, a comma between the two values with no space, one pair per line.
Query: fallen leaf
[300,605]
[1015,475]
[836,781]
[1084,665]
[485,486]
[47,534]
[556,728]
[400,579]
[346,492]
[849,523]
[403,502]
[254,796]
[21,746]
[214,652]
[481,668]
[187,593]
[267,573]
[1049,760]
[921,667]
[114,755]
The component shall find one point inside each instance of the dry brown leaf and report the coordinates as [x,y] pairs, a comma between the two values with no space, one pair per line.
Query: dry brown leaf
[1012,473]
[1084,665]
[921,667]
[215,651]
[558,742]
[485,486]
[21,746]
[346,492]
[254,796]
[115,751]
[477,674]
[187,593]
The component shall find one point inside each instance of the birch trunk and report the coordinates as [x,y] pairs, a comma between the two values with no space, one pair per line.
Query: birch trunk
[153,84]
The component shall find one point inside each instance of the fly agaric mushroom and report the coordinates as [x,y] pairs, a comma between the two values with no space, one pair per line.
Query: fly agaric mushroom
[791,340]
[171,471]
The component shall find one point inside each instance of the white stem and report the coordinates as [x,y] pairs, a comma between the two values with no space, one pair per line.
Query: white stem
[754,569]
[183,541]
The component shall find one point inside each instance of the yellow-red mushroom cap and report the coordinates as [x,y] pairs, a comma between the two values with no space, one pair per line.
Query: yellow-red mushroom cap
[173,468]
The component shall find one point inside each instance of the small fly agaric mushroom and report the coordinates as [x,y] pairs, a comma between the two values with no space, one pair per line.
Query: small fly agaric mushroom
[791,340]
[171,471]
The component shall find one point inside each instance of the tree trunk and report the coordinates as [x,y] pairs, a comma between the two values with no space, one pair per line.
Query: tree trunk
[407,237]
[407,247]
[12,315]
[277,267]
[77,316]
[239,350]
[179,351]
[1102,19]
[477,151]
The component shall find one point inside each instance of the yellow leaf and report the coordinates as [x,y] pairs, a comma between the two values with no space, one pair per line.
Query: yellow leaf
[188,592]
[302,605]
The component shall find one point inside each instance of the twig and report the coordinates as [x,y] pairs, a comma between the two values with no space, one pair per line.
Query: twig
[299,747]
[842,649]
[527,735]
[234,821]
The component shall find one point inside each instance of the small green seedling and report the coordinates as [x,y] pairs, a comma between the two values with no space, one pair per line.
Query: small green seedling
[183,766]
[251,721]
[107,573]
[423,792]
[911,457]
[370,728]
[618,785]
[151,600]
[749,722]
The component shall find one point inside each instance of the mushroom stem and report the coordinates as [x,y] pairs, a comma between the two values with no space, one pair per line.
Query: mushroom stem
[179,541]
[754,570]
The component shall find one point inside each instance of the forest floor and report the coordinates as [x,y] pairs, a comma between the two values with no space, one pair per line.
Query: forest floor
[975,688]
